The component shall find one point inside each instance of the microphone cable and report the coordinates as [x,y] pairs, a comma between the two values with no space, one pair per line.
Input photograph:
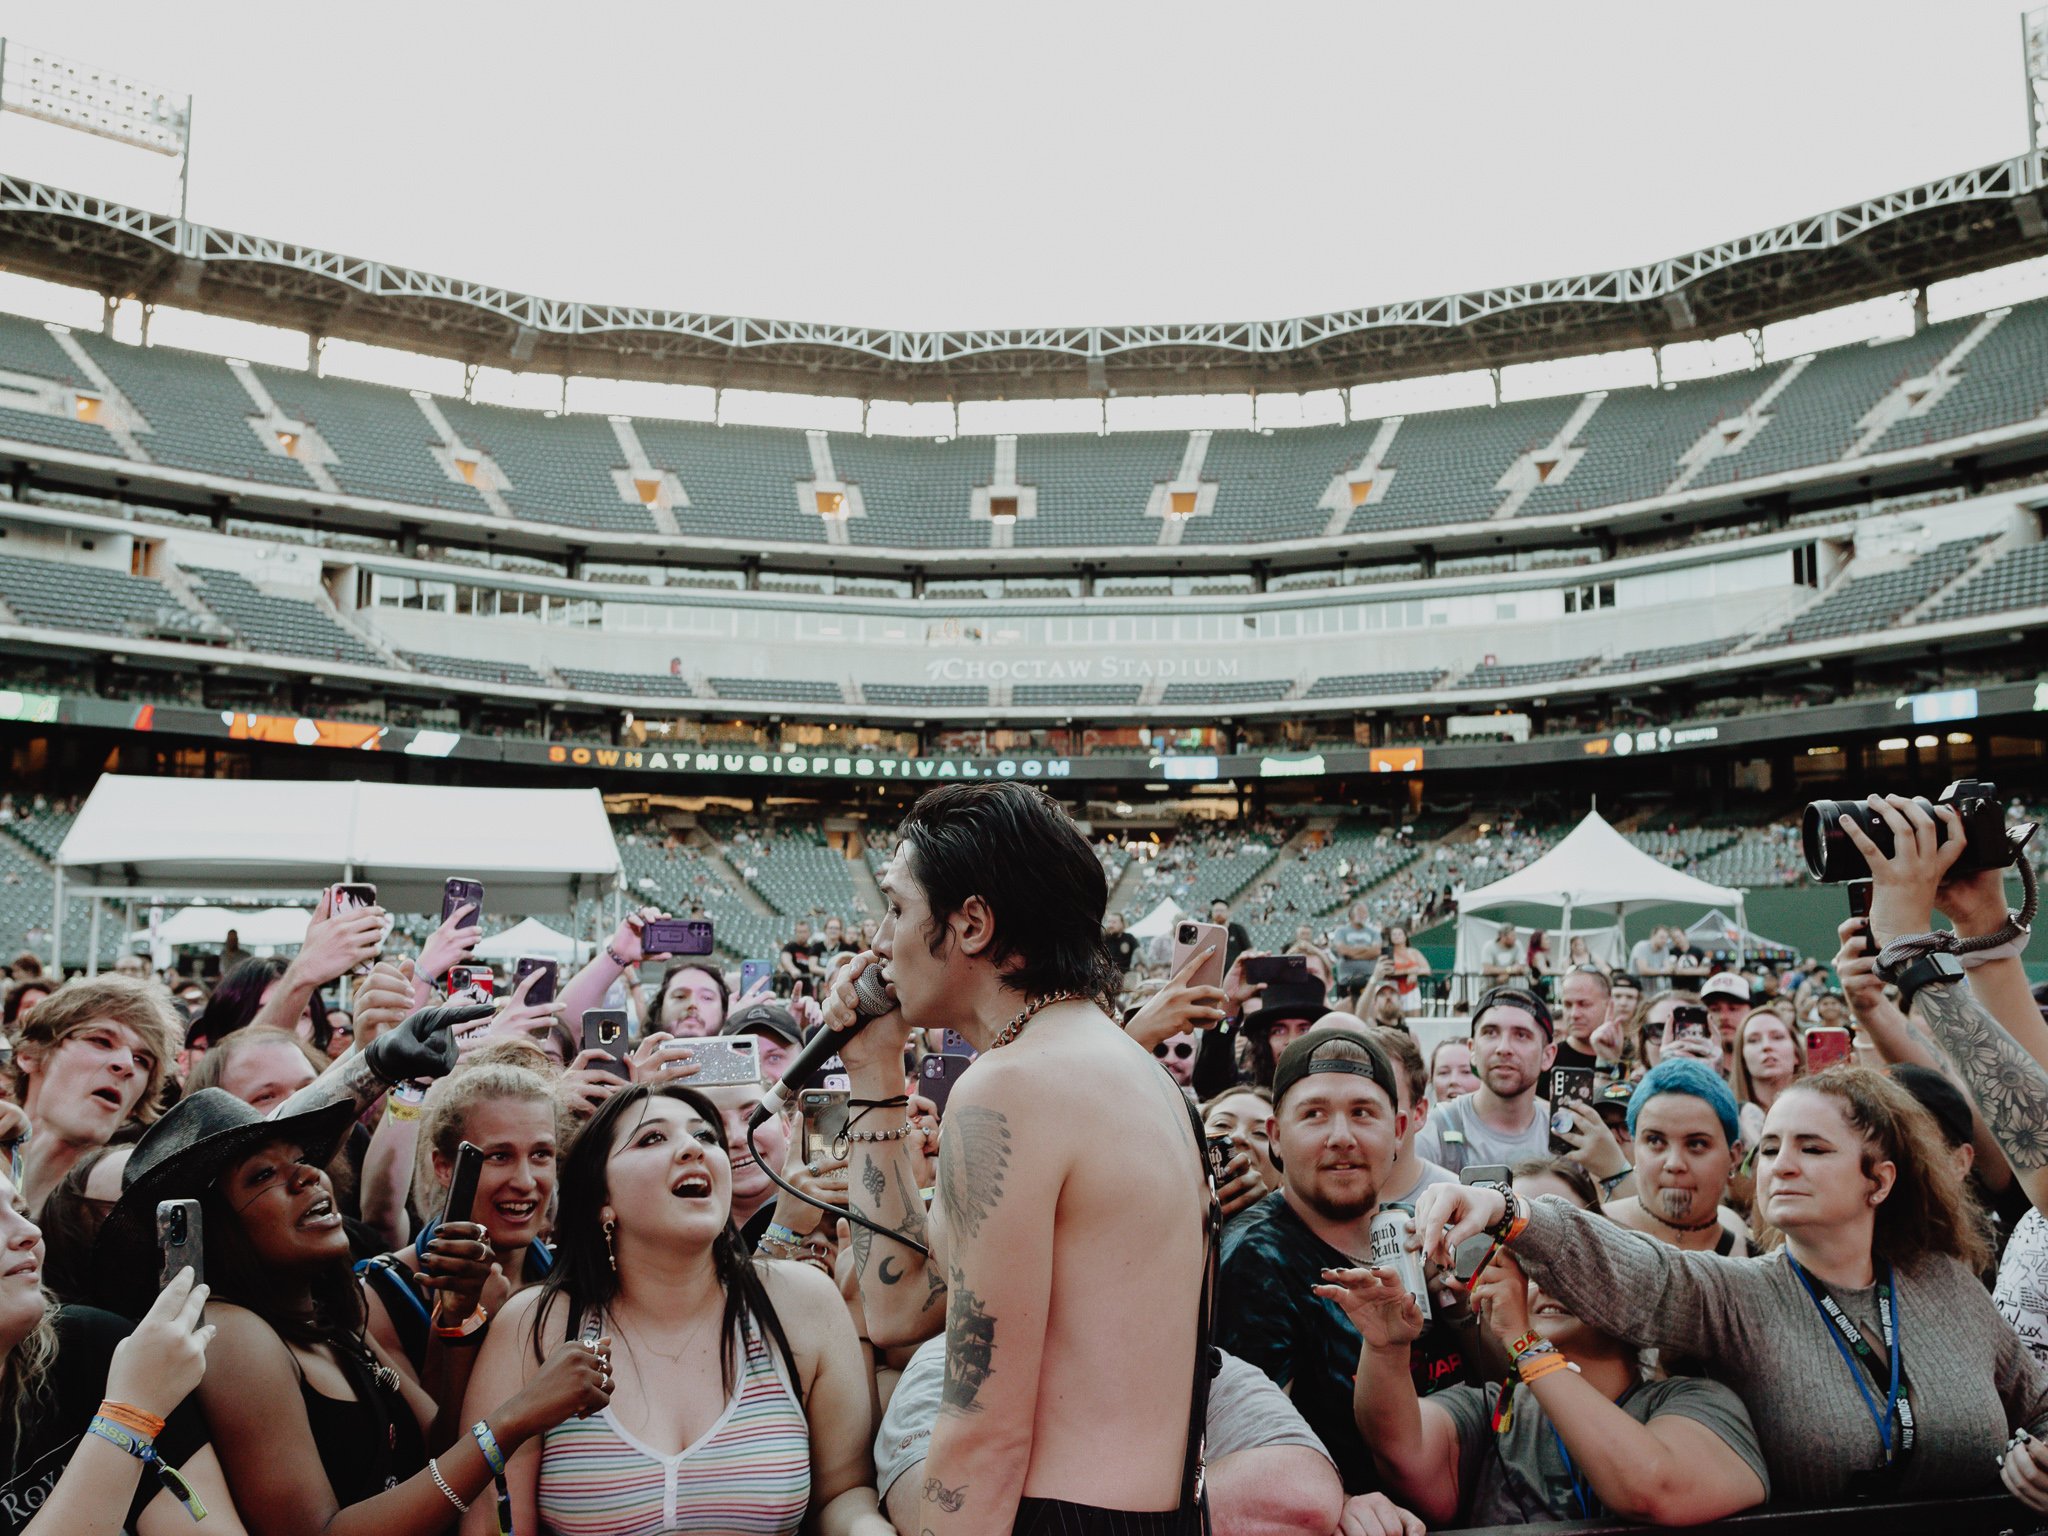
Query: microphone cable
[845,1213]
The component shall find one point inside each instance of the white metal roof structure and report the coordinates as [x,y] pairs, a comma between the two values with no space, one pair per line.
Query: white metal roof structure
[1593,867]
[536,850]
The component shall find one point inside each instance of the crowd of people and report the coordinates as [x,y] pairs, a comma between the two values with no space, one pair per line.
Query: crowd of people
[329,1244]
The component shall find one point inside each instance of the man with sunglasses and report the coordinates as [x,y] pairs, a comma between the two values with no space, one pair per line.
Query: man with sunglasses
[1502,1120]
[1177,1055]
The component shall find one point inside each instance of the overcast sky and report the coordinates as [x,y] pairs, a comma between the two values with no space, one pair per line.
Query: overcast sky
[975,164]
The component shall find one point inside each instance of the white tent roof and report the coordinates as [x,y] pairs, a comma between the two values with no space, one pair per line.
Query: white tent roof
[1157,921]
[1595,866]
[530,936]
[536,850]
[274,928]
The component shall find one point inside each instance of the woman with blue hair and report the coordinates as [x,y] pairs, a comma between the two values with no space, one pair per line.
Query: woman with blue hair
[1688,1139]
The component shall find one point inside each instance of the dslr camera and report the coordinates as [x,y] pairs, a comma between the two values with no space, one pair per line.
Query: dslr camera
[1832,858]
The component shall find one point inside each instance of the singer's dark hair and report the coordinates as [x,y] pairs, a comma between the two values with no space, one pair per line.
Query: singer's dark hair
[1015,848]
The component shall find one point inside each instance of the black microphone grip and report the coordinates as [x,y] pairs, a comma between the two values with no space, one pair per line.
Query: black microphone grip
[871,1000]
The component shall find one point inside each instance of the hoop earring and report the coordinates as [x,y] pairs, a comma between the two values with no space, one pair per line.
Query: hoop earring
[611,1252]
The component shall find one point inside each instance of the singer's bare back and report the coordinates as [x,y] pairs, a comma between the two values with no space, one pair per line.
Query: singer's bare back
[1067,1252]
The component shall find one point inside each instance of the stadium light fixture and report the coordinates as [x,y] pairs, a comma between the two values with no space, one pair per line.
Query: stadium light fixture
[53,89]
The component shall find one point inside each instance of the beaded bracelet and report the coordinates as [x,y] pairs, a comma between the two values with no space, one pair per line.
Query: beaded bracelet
[897,1134]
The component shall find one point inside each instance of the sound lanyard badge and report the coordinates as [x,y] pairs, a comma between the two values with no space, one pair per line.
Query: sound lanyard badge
[1861,1360]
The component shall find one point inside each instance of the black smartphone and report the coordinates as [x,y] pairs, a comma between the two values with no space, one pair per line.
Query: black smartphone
[543,991]
[824,1122]
[1281,969]
[1471,1253]
[457,893]
[1568,1085]
[179,1240]
[461,1203]
[676,936]
[604,1029]
[1689,1021]
[936,1076]
[1860,892]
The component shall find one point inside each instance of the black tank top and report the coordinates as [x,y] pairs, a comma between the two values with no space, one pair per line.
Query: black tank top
[366,1444]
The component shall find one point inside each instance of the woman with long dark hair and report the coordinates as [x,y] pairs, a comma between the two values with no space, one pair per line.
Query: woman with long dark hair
[1865,1348]
[742,1403]
[316,1429]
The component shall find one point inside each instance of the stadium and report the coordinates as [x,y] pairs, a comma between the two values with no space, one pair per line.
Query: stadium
[1387,643]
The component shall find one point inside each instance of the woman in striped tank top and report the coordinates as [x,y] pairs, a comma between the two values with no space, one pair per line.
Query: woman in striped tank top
[740,1402]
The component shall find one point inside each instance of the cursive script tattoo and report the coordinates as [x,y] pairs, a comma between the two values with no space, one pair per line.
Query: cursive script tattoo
[948,1499]
[970,1348]
[974,1155]
[2008,1085]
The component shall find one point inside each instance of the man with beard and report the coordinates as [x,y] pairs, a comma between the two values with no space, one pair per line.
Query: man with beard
[1502,1120]
[1685,1124]
[1336,1124]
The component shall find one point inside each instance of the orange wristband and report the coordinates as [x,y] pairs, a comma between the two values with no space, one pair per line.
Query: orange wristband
[147,1425]
[1543,1365]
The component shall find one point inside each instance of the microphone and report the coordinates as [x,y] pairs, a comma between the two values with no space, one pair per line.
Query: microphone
[871,1000]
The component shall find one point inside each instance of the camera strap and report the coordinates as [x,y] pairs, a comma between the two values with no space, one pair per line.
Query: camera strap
[1901,952]
[1861,1359]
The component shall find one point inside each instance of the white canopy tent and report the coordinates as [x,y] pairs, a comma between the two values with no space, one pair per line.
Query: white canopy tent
[256,927]
[1159,920]
[143,839]
[531,936]
[1592,869]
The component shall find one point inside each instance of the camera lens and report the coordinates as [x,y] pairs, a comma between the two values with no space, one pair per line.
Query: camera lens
[1830,857]
[1187,933]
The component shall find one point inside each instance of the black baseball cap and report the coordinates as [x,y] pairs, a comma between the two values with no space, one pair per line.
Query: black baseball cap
[1615,1096]
[1515,997]
[764,1019]
[1300,1059]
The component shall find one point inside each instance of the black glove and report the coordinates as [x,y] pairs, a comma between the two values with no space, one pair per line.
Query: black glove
[424,1045]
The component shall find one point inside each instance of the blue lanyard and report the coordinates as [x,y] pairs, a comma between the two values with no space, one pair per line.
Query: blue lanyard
[1579,1489]
[1847,1337]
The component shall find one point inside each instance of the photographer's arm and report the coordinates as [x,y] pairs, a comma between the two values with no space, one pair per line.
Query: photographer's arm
[2006,1081]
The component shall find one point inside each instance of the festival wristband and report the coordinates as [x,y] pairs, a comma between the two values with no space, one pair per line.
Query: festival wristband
[1526,1343]
[147,1425]
[396,1108]
[487,1442]
[1543,1364]
[469,1330]
[143,1449]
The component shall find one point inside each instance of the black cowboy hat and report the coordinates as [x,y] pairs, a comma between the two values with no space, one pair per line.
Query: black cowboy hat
[207,1132]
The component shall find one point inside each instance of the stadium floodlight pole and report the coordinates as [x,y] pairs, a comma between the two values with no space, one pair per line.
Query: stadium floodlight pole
[2034,61]
[84,97]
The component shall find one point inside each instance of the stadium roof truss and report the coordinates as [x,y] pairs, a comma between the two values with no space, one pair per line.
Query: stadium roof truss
[1941,228]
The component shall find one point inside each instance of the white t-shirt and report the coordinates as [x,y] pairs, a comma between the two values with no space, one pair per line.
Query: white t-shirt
[2022,1293]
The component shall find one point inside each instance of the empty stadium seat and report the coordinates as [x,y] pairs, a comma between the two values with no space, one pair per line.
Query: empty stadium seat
[778,690]
[66,595]
[1366,684]
[477,670]
[283,625]
[661,685]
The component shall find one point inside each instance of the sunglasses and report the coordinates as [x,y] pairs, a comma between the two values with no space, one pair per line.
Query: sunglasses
[1180,1051]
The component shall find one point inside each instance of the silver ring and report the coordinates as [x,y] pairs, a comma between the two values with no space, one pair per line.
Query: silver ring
[813,1165]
